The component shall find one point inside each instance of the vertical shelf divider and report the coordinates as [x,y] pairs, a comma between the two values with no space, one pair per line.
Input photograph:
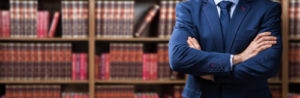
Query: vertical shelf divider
[285,36]
[91,48]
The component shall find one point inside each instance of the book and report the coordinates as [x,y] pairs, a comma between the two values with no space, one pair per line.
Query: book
[167,17]
[54,23]
[132,91]
[127,61]
[275,91]
[35,61]
[43,24]
[148,19]
[5,24]
[114,91]
[74,19]
[294,63]
[114,19]
[32,91]
[23,15]
[79,66]
[74,95]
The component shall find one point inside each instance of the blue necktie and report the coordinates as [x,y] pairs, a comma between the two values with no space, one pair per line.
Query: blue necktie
[225,14]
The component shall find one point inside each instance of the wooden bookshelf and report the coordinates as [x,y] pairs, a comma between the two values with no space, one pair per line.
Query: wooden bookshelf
[91,52]
[133,39]
[294,38]
[45,39]
[44,82]
[140,82]
[285,38]
[274,81]
[296,81]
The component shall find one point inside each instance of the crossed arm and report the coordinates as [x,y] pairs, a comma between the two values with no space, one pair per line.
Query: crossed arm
[260,60]
[262,42]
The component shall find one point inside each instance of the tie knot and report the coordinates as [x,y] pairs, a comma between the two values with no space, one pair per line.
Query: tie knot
[225,4]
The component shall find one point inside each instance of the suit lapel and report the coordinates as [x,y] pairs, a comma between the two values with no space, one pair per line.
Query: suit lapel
[212,16]
[239,14]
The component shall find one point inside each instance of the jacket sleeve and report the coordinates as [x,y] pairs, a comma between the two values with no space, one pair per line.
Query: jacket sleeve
[266,63]
[188,60]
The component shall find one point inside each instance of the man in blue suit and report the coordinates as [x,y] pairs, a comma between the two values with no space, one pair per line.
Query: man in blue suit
[240,43]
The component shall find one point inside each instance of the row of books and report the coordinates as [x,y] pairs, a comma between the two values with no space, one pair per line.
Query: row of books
[294,29]
[32,91]
[114,18]
[146,95]
[74,95]
[114,91]
[35,61]
[294,95]
[167,17]
[275,91]
[128,91]
[10,26]
[4,24]
[126,61]
[75,18]
[79,66]
[41,61]
[23,18]
[294,64]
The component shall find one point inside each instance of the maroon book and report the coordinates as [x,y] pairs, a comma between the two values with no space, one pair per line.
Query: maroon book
[54,23]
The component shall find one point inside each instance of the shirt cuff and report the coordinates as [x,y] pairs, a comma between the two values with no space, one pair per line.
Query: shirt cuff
[231,64]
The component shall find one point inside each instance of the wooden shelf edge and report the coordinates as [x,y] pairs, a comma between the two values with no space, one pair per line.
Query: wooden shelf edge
[44,39]
[274,81]
[141,81]
[295,81]
[44,82]
[134,39]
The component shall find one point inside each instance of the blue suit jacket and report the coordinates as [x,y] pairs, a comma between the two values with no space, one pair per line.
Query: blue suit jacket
[199,19]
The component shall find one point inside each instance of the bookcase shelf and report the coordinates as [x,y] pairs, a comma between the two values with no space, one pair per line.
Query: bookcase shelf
[274,81]
[294,38]
[44,82]
[134,39]
[141,81]
[44,39]
[296,81]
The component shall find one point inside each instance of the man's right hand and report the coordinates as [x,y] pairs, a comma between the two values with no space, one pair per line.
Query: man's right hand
[261,42]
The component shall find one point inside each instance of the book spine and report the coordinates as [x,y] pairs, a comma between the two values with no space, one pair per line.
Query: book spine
[73,66]
[5,24]
[54,23]
[148,19]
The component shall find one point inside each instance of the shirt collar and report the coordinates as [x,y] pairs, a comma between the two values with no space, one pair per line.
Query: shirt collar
[235,2]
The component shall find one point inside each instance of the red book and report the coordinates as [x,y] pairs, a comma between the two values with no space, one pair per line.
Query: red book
[5,24]
[145,63]
[83,66]
[43,24]
[73,66]
[97,68]
[54,24]
[1,35]
[107,66]
[148,19]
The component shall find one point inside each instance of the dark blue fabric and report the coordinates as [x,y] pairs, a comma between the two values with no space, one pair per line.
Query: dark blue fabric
[225,14]
[200,19]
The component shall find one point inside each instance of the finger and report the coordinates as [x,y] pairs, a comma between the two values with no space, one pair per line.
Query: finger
[190,43]
[267,38]
[262,35]
[196,43]
[266,43]
[264,48]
